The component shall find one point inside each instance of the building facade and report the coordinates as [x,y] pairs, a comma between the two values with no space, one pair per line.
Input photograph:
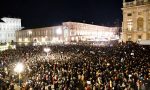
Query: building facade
[40,35]
[89,32]
[136,20]
[67,32]
[8,28]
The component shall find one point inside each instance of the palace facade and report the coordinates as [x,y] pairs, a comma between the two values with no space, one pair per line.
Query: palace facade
[8,28]
[68,32]
[136,20]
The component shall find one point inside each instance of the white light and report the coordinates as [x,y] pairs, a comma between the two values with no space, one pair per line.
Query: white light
[19,68]
[46,50]
[59,31]
[43,39]
[30,32]
[108,64]
[26,40]
[88,82]
[130,75]
[20,40]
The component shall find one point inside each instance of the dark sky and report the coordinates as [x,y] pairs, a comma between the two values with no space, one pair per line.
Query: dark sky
[41,13]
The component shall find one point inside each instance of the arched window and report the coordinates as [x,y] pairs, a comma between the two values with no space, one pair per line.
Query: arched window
[129,24]
[140,24]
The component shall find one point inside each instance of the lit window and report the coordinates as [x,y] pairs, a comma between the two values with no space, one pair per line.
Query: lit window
[130,24]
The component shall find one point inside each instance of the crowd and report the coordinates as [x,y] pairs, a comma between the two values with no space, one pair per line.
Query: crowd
[77,67]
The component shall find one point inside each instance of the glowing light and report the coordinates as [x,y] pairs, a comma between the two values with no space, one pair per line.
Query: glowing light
[19,67]
[20,40]
[72,38]
[59,31]
[30,32]
[47,50]
[88,82]
[108,64]
[26,40]
[130,75]
[43,39]
[7,44]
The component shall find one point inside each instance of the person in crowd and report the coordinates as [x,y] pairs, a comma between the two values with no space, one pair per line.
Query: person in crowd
[78,67]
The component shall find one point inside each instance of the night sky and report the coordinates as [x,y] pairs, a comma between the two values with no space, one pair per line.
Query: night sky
[41,13]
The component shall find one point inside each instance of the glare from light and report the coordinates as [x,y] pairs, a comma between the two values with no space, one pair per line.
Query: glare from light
[88,82]
[59,31]
[26,40]
[47,50]
[108,64]
[19,67]
[130,75]
[30,32]
[20,40]
[43,39]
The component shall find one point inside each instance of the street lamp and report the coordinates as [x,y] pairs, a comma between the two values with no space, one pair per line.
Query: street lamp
[61,56]
[47,50]
[19,69]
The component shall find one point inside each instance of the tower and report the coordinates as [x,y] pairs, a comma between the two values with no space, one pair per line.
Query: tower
[136,20]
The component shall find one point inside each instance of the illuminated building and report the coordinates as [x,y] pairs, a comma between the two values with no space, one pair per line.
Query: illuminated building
[81,32]
[40,35]
[136,20]
[68,32]
[8,28]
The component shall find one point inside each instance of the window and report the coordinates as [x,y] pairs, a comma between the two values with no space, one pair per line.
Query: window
[148,36]
[129,14]
[139,37]
[148,24]
[130,24]
[140,23]
[72,33]
[129,37]
[11,34]
[139,13]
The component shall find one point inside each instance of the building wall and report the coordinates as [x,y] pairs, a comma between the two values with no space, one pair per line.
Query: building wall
[42,35]
[67,32]
[8,28]
[88,32]
[136,20]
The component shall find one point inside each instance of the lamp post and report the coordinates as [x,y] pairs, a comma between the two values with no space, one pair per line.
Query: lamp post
[19,69]
[47,50]
[62,56]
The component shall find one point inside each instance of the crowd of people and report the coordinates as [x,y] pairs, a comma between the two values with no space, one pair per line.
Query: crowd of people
[77,67]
